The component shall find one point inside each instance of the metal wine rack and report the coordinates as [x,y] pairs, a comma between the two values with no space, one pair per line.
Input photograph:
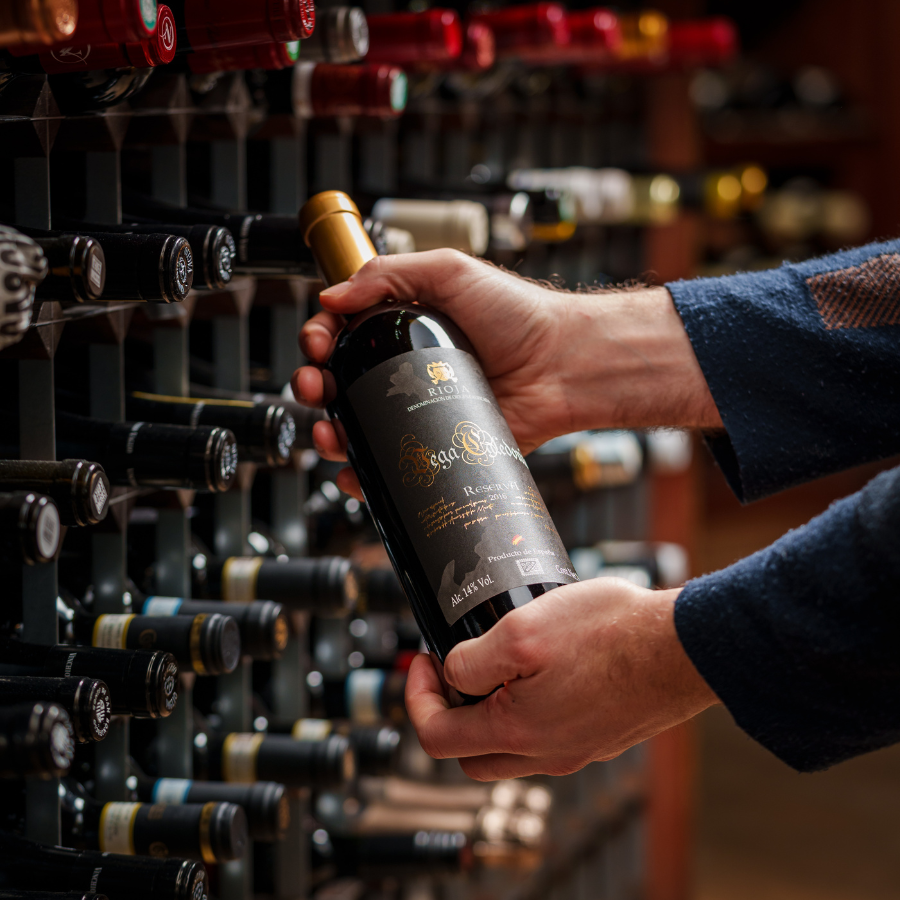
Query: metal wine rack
[160,141]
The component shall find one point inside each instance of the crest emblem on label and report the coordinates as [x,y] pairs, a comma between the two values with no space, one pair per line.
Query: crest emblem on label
[440,371]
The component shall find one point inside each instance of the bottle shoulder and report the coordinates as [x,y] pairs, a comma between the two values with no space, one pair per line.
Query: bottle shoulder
[389,330]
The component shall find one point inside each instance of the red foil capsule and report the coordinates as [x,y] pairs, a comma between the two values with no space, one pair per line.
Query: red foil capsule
[595,32]
[435,35]
[527,31]
[324,89]
[215,24]
[703,42]
[258,56]
[105,22]
[157,50]
[479,52]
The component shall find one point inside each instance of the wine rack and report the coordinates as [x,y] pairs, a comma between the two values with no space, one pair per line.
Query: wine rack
[221,147]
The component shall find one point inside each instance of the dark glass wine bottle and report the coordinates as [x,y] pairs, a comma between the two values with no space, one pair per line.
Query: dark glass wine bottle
[263,624]
[380,592]
[28,865]
[152,268]
[86,700]
[77,269]
[245,758]
[205,644]
[265,242]
[142,683]
[265,802]
[146,454]
[36,739]
[265,433]
[426,852]
[365,697]
[212,247]
[30,528]
[324,584]
[462,521]
[209,832]
[79,488]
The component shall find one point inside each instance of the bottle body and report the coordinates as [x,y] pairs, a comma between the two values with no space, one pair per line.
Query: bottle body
[30,529]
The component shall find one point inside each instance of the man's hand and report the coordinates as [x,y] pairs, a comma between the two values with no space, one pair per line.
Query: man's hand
[588,670]
[557,361]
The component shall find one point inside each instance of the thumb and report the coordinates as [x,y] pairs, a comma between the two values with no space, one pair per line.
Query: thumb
[406,277]
[511,649]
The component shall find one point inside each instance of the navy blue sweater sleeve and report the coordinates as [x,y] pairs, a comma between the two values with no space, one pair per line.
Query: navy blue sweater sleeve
[803,363]
[801,641]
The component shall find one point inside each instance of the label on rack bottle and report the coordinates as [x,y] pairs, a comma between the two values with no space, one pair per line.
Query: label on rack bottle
[460,484]
[111,632]
[311,729]
[162,606]
[239,753]
[363,695]
[172,790]
[117,827]
[239,575]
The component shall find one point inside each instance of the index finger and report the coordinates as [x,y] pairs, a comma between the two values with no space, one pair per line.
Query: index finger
[445,732]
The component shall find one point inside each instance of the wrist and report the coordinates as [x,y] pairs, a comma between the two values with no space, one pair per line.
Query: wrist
[633,362]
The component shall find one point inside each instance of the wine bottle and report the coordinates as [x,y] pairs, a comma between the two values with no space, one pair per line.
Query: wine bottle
[265,802]
[85,700]
[80,489]
[24,22]
[458,224]
[209,832]
[341,36]
[318,90]
[454,502]
[145,454]
[22,267]
[141,683]
[205,27]
[325,584]
[246,758]
[526,32]
[376,748]
[30,529]
[208,644]
[264,242]
[153,268]
[234,59]
[156,50]
[36,739]
[366,697]
[28,865]
[263,624]
[304,417]
[77,269]
[425,852]
[265,433]
[380,592]
[433,35]
[212,247]
[589,461]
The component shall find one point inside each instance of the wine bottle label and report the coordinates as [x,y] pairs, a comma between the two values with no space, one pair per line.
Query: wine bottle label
[311,729]
[162,606]
[117,827]
[239,576]
[457,478]
[239,753]
[364,688]
[111,632]
[171,790]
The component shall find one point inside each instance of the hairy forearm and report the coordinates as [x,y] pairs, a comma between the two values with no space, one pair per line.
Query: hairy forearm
[631,360]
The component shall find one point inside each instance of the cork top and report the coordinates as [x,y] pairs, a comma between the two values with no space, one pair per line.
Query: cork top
[332,228]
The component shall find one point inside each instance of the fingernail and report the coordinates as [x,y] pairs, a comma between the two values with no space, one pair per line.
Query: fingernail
[336,289]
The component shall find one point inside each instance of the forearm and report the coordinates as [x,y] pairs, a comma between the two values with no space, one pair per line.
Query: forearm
[632,363]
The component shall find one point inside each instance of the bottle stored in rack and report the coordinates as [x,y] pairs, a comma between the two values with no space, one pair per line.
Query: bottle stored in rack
[29,865]
[147,454]
[77,269]
[207,644]
[245,758]
[264,432]
[527,32]
[141,683]
[341,36]
[36,740]
[257,56]
[30,529]
[459,224]
[85,700]
[208,832]
[435,35]
[365,697]
[263,624]
[326,584]
[314,90]
[265,802]
[79,488]
[394,368]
